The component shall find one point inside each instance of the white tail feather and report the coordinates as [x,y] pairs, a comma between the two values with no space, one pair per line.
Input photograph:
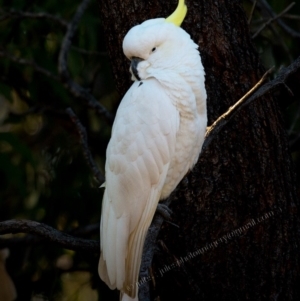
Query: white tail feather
[121,254]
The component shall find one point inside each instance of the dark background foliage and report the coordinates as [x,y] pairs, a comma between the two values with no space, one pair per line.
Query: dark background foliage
[44,175]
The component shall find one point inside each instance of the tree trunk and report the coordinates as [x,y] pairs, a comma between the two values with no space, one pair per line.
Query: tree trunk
[237,213]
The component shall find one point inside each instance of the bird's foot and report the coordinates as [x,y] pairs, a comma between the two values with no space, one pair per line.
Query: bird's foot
[164,211]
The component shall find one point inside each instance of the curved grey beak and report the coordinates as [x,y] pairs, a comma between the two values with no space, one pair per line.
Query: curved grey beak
[134,63]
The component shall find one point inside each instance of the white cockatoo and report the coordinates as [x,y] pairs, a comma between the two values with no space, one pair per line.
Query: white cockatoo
[156,139]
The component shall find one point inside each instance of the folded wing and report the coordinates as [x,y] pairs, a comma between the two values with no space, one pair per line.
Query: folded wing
[138,158]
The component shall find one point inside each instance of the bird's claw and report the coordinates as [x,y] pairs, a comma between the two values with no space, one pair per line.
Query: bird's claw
[164,211]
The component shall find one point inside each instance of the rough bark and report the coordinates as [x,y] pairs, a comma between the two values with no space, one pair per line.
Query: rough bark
[245,176]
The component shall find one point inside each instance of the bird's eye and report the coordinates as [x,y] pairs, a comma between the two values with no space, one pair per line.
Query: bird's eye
[153,49]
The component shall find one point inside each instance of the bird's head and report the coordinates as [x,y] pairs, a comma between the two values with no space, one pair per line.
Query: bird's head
[158,45]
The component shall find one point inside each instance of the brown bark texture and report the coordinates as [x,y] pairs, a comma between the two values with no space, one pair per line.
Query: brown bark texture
[237,211]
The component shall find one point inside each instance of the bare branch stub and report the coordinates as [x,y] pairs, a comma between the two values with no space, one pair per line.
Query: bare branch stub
[83,140]
[75,89]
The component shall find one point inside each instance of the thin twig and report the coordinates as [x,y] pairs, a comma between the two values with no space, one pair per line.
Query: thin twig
[273,19]
[32,64]
[224,118]
[264,5]
[275,32]
[292,17]
[67,41]
[50,234]
[75,89]
[31,15]
[86,151]
[252,11]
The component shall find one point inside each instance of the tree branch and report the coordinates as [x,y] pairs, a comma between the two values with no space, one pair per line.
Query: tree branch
[251,12]
[75,89]
[47,233]
[31,240]
[224,118]
[86,151]
[32,64]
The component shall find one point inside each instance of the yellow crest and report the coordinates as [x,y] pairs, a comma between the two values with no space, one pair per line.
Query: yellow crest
[178,16]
